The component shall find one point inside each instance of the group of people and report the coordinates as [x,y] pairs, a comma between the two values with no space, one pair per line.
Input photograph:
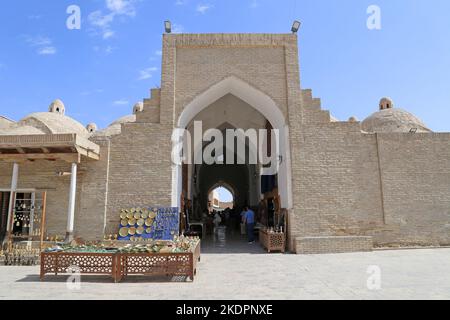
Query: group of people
[227,218]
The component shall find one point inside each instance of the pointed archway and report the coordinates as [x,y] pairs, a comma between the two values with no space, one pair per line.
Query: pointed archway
[260,102]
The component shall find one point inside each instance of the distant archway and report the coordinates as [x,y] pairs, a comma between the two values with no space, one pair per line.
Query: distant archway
[221,196]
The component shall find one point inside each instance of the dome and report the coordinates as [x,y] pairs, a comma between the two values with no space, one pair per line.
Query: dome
[53,123]
[138,107]
[126,119]
[393,120]
[16,130]
[57,106]
[91,127]
[386,103]
[5,122]
[116,127]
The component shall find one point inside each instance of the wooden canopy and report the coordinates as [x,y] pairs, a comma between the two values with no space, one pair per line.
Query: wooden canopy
[51,147]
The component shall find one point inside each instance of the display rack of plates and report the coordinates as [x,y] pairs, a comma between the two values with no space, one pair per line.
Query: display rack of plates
[148,223]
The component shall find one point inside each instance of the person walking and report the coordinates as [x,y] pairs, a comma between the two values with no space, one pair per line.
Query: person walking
[249,220]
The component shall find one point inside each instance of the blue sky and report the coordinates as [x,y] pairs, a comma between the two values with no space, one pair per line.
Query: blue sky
[101,70]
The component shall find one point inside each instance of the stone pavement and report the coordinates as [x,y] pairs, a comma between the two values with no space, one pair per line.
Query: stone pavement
[244,271]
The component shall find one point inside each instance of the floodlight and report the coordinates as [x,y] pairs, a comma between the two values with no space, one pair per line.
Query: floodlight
[168,26]
[296,26]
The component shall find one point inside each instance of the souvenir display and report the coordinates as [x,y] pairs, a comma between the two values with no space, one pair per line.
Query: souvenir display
[28,216]
[123,215]
[150,223]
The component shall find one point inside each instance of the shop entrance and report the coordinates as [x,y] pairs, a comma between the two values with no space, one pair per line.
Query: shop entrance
[231,104]
[27,216]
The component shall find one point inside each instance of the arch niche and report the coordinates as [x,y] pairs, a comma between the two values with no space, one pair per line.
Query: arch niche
[259,101]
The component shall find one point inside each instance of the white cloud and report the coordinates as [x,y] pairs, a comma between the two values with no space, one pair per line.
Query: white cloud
[108,34]
[254,4]
[121,7]
[47,51]
[202,8]
[181,2]
[38,41]
[43,45]
[121,102]
[177,28]
[158,53]
[115,8]
[147,73]
[109,49]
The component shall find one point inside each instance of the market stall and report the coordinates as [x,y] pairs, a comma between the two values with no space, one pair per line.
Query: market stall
[272,233]
[148,243]
[157,258]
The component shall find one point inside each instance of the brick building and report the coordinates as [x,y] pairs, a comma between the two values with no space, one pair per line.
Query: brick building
[343,185]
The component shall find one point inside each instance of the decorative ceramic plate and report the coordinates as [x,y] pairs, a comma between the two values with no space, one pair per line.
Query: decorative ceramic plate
[124,222]
[133,210]
[152,214]
[129,215]
[132,231]
[137,215]
[148,222]
[149,230]
[123,232]
[144,214]
[123,215]
[140,230]
[140,222]
[132,222]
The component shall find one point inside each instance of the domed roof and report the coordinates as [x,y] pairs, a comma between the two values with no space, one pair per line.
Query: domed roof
[16,130]
[116,127]
[126,119]
[5,122]
[54,123]
[390,119]
[393,120]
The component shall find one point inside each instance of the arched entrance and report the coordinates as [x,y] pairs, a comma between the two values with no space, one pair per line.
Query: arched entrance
[231,105]
[259,102]
[221,197]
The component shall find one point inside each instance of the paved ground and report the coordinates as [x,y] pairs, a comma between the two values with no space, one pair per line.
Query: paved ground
[248,273]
